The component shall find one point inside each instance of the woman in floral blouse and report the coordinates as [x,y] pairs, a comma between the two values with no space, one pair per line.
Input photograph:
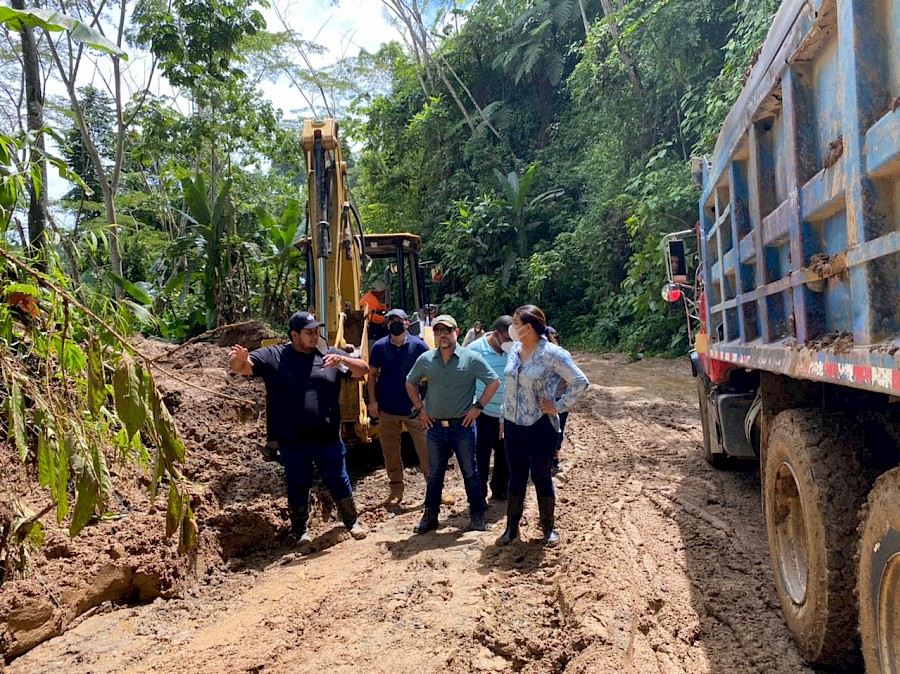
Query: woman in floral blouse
[531,411]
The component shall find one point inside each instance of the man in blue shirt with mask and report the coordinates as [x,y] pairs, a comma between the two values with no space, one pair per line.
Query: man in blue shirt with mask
[391,359]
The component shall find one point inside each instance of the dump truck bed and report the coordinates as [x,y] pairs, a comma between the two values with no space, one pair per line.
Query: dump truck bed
[800,210]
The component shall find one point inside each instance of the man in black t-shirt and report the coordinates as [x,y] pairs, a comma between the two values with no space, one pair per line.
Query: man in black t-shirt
[303,385]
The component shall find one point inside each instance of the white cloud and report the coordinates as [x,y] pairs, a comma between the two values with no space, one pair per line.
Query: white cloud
[343,29]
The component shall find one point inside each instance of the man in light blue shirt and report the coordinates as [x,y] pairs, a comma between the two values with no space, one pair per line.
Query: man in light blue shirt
[493,347]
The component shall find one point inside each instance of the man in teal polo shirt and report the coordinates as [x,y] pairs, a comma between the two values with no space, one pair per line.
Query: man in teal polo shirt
[449,416]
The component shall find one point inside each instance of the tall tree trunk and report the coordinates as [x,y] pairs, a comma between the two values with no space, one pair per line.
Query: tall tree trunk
[37,194]
[623,50]
[584,19]
[106,187]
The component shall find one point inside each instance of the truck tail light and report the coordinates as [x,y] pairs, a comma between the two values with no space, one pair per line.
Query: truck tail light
[671,292]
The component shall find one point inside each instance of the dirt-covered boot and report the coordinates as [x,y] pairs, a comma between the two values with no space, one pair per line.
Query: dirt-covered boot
[547,508]
[514,507]
[428,522]
[347,509]
[476,521]
[300,525]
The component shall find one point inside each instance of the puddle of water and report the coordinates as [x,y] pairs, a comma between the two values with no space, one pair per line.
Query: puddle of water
[670,379]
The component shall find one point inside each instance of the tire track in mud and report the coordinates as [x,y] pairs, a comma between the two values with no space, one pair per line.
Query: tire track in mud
[684,560]
[549,640]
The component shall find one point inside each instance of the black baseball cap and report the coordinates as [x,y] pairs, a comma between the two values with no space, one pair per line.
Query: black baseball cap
[302,320]
[399,313]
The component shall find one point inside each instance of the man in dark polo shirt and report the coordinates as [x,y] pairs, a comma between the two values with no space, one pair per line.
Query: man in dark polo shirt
[303,385]
[449,416]
[391,359]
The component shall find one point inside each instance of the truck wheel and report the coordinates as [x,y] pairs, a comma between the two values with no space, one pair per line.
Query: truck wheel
[813,489]
[716,460]
[879,577]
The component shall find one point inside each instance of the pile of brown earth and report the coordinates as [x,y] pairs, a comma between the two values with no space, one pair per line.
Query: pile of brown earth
[237,496]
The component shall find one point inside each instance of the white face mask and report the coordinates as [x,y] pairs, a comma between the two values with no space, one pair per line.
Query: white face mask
[514,333]
[506,347]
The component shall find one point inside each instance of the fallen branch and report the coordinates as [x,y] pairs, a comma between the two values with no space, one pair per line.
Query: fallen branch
[194,340]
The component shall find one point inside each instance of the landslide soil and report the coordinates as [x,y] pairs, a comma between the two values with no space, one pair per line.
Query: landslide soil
[663,565]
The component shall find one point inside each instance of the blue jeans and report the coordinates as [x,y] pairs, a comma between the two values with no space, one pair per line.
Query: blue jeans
[301,460]
[530,449]
[444,442]
[488,441]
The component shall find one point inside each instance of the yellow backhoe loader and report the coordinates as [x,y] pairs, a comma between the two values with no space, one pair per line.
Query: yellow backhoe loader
[337,253]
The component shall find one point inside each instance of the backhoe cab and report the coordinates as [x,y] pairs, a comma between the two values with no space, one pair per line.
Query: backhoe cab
[336,249]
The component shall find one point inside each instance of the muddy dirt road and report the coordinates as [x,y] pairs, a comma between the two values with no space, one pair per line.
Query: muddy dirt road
[663,567]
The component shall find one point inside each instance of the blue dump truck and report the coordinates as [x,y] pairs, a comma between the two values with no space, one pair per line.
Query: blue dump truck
[791,285]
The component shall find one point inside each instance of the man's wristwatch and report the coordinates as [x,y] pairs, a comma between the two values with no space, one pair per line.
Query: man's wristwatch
[479,405]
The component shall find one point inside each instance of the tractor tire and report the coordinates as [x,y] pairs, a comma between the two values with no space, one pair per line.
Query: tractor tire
[716,460]
[813,488]
[879,576]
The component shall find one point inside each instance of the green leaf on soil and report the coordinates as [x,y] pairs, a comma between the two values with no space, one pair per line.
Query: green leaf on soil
[62,483]
[46,462]
[85,504]
[165,428]
[188,540]
[15,408]
[159,466]
[128,391]
[102,477]
[96,381]
[173,511]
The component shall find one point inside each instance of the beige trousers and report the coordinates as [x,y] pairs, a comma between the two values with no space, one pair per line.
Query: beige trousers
[391,431]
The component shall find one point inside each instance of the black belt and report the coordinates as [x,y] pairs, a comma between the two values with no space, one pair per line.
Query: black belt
[446,423]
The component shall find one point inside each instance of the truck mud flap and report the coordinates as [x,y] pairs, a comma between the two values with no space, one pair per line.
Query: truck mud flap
[732,409]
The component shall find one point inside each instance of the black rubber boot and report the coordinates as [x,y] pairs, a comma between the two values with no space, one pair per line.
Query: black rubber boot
[300,525]
[476,522]
[428,522]
[547,508]
[347,509]
[514,507]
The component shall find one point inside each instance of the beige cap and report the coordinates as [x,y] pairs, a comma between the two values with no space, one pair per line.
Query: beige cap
[445,319]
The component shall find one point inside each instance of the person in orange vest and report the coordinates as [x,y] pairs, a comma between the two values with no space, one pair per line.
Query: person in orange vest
[372,303]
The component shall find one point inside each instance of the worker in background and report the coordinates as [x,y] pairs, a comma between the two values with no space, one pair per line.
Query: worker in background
[475,332]
[531,416]
[390,360]
[372,303]
[493,347]
[553,338]
[449,417]
[303,384]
